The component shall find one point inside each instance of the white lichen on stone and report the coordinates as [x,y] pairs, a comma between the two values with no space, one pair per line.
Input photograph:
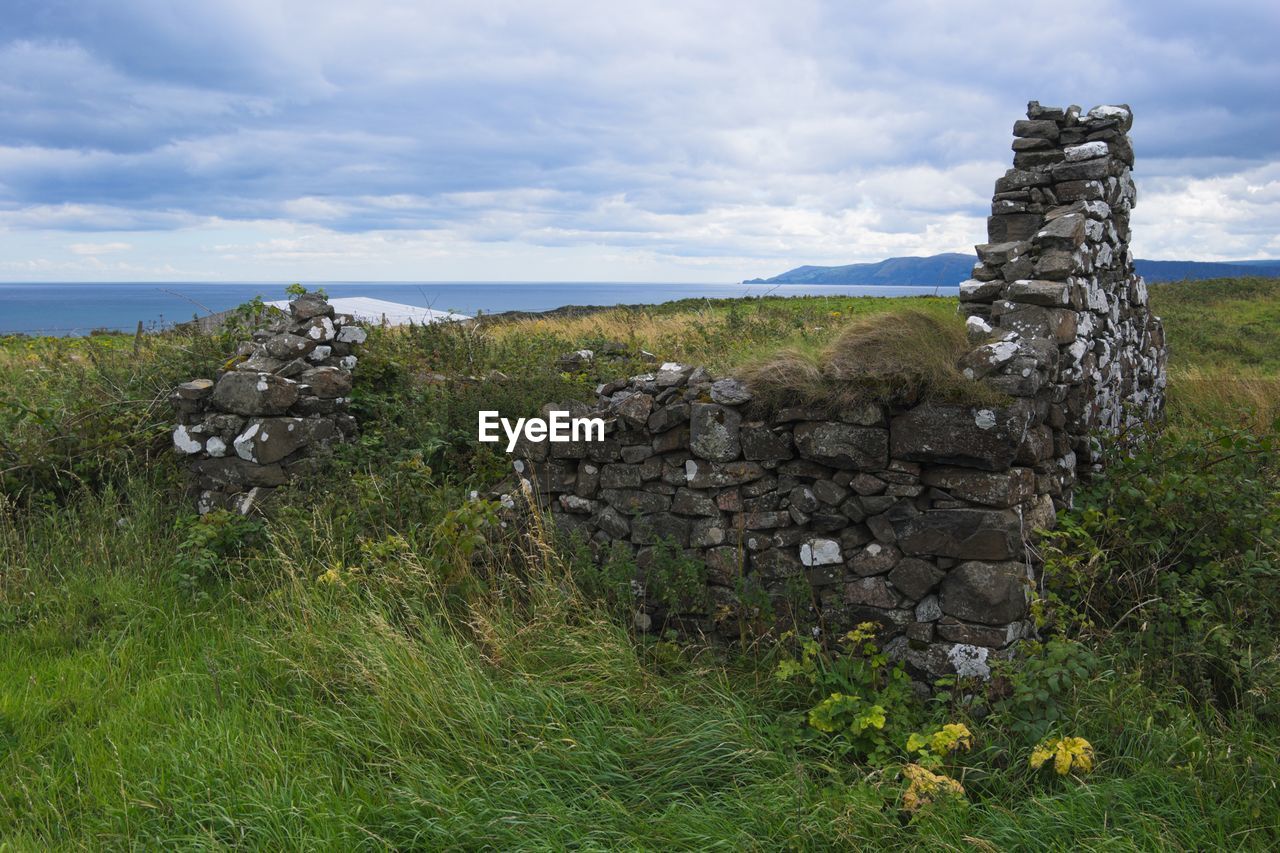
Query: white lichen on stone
[985,419]
[970,661]
[352,335]
[820,552]
[244,443]
[184,442]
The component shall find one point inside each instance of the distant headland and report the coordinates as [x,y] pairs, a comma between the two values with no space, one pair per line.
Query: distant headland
[951,268]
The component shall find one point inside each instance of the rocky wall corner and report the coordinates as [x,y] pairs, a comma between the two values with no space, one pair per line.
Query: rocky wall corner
[281,401]
[919,518]
[1056,285]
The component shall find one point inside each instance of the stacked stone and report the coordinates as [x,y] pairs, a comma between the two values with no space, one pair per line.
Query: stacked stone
[282,399]
[1056,283]
[917,518]
[911,518]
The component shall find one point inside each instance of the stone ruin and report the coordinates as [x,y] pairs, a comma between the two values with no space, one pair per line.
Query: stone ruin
[281,400]
[919,518]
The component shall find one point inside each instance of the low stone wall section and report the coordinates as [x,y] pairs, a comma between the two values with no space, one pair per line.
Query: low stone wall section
[281,400]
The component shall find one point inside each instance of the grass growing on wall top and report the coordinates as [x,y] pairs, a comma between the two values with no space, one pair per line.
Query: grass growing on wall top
[718,334]
[903,358]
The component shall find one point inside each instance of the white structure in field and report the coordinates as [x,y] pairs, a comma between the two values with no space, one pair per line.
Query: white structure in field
[379,311]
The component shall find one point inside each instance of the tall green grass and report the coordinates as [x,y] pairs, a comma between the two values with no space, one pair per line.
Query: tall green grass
[355,676]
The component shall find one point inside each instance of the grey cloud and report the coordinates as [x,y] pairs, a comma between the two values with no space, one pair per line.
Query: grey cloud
[625,126]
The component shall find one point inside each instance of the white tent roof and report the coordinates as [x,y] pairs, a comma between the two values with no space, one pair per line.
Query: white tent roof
[377,310]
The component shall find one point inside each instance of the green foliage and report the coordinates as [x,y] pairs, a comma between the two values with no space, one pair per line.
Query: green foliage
[368,667]
[677,579]
[297,289]
[610,580]
[210,542]
[1178,547]
[931,748]
[1033,692]
[857,701]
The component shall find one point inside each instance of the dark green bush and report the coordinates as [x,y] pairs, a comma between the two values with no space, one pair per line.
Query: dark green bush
[1177,549]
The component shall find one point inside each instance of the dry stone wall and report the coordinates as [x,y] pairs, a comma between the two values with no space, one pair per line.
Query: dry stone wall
[921,518]
[281,400]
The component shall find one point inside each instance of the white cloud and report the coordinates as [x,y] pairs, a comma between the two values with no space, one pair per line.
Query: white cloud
[462,140]
[98,248]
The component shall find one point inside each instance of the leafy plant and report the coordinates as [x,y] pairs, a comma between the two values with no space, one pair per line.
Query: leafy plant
[926,787]
[676,579]
[1177,546]
[1032,691]
[856,695]
[1069,754]
[930,749]
[210,543]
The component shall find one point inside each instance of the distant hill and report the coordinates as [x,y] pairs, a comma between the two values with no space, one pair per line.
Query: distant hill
[952,268]
[947,269]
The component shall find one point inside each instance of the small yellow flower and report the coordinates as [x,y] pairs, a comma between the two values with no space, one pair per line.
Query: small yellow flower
[1068,754]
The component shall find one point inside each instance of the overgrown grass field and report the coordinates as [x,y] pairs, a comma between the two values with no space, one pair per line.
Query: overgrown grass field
[367,669]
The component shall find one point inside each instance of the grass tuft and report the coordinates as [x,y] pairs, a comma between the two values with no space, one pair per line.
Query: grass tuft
[903,359]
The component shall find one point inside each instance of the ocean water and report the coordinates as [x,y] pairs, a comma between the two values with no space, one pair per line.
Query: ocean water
[78,308]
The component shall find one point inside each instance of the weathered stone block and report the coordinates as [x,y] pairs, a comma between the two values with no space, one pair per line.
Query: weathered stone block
[689,502]
[842,445]
[760,442]
[254,393]
[730,392]
[704,475]
[310,305]
[233,471]
[991,593]
[635,501]
[819,551]
[288,346]
[1036,128]
[993,488]
[1013,226]
[660,527]
[870,592]
[967,534]
[915,578]
[634,411]
[620,476]
[777,564]
[326,382]
[875,558]
[975,436]
[713,432]
[1039,292]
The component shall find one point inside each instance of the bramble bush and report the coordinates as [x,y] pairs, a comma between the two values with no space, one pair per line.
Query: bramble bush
[1178,548]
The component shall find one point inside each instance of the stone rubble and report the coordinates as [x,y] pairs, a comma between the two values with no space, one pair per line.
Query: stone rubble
[263,420]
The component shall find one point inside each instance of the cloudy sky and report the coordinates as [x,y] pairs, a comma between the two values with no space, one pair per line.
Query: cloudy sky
[537,140]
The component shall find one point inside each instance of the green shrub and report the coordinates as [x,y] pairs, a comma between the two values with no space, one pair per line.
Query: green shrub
[1177,547]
